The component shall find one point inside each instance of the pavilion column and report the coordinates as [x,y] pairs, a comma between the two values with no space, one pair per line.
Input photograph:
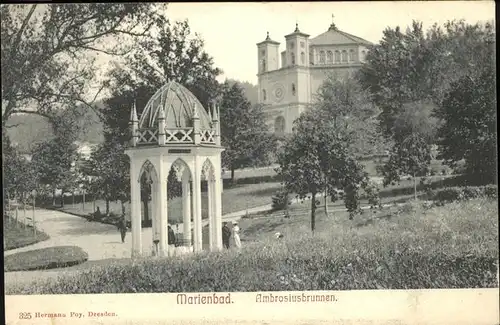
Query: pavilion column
[155,213]
[211,214]
[186,208]
[198,239]
[217,203]
[135,210]
[163,214]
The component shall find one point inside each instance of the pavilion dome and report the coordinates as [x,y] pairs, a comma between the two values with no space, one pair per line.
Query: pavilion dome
[179,105]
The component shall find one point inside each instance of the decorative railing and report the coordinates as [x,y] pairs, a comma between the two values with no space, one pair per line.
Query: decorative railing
[147,136]
[179,135]
[150,136]
[208,136]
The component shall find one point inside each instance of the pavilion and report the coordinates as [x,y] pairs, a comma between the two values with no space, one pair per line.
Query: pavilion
[176,132]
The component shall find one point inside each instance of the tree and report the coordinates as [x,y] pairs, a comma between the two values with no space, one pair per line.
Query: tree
[108,166]
[317,157]
[469,126]
[353,113]
[168,53]
[410,156]
[244,133]
[48,50]
[417,66]
[351,108]
[53,161]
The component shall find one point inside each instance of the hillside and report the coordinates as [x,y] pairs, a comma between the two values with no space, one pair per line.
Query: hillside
[251,91]
[27,129]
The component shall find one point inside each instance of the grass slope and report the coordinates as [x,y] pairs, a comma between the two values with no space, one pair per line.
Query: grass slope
[411,247]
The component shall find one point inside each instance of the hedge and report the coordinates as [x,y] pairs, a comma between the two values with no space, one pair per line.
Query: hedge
[451,194]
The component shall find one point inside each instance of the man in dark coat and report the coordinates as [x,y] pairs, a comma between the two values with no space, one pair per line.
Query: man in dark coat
[171,236]
[226,235]
[122,227]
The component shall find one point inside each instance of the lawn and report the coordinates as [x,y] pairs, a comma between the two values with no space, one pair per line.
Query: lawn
[238,197]
[45,258]
[412,246]
[17,235]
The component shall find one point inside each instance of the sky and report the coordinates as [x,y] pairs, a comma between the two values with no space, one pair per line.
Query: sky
[231,30]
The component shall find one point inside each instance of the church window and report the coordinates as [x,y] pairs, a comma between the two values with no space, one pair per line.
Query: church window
[263,52]
[311,58]
[363,55]
[322,57]
[293,58]
[352,56]
[279,125]
[329,57]
[344,56]
[337,57]
[302,44]
[302,58]
[293,89]
[264,97]
[292,45]
[263,65]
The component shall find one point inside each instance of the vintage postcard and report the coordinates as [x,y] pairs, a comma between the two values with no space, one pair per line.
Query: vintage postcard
[250,163]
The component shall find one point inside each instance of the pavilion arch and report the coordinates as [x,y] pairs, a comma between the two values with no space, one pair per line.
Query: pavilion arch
[208,170]
[181,169]
[148,169]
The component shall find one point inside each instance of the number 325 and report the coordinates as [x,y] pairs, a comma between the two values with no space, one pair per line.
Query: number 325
[24,315]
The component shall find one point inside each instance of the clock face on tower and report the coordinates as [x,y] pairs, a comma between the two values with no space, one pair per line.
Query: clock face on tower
[279,92]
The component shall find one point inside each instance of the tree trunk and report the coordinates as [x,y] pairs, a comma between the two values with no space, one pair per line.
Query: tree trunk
[232,174]
[54,197]
[83,200]
[415,185]
[326,200]
[313,211]
[107,206]
[62,198]
[73,197]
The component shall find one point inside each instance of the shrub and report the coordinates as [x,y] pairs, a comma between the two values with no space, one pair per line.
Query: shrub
[280,200]
[45,258]
[451,194]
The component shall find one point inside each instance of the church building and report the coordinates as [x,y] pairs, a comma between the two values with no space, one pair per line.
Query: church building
[288,81]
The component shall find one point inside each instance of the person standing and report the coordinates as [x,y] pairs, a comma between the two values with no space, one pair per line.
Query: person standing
[122,227]
[236,235]
[171,241]
[226,235]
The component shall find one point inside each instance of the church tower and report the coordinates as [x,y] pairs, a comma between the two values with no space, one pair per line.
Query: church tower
[297,48]
[268,55]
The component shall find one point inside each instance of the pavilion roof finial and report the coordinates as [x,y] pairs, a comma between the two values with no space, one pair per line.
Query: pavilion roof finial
[267,37]
[133,113]
[195,112]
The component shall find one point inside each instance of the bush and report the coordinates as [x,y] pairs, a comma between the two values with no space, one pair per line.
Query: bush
[280,200]
[45,258]
[451,194]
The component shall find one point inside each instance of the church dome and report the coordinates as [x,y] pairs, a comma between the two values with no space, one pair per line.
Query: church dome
[179,105]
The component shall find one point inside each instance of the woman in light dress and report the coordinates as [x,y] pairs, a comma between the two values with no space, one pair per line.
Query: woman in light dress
[236,235]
